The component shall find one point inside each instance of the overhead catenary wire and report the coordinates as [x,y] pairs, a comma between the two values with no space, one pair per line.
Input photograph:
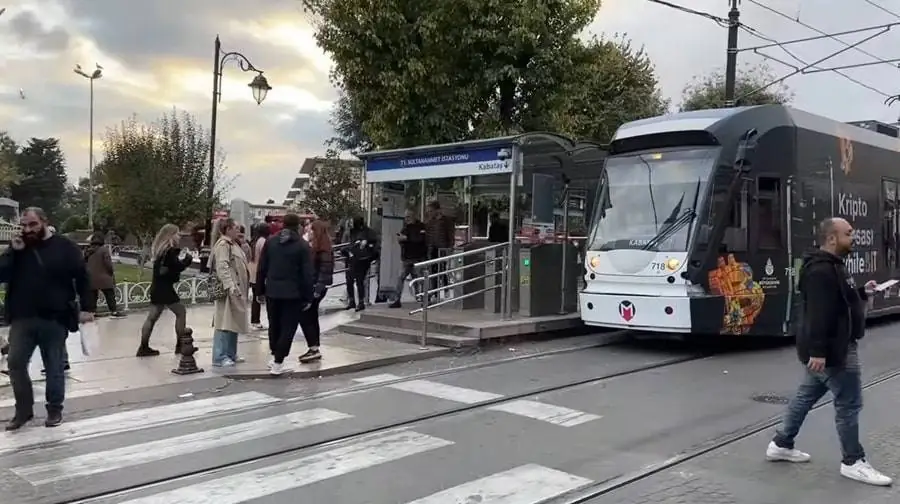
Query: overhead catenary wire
[756,33]
[882,8]
[823,33]
[781,45]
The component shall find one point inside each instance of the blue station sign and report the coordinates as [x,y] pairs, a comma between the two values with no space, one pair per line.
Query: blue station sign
[431,165]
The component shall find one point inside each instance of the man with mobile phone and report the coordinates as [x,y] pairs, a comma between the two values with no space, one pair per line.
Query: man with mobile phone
[413,249]
[45,277]
[832,320]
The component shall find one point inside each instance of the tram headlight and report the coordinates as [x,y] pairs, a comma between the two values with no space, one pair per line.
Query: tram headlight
[673,264]
[594,262]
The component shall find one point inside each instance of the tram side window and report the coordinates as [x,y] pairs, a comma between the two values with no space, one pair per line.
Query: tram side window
[735,236]
[890,224]
[768,213]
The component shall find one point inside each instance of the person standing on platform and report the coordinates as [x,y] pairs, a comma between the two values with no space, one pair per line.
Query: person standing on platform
[832,320]
[284,283]
[440,236]
[262,234]
[413,249]
[231,319]
[361,252]
[323,270]
[47,296]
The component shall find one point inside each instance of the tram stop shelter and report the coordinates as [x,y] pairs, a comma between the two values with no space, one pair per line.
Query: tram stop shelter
[530,278]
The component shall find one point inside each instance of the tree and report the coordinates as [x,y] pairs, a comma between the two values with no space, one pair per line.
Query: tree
[333,192]
[158,173]
[750,88]
[9,171]
[42,171]
[413,73]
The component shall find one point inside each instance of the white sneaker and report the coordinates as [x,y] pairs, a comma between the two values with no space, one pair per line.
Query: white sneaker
[226,362]
[863,472]
[776,453]
[277,369]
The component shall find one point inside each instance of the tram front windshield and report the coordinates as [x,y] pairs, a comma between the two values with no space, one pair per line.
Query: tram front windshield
[649,201]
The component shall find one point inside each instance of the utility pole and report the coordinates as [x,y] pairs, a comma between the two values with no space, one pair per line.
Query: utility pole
[734,16]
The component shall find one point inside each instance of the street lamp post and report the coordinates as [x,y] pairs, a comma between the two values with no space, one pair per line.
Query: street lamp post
[96,74]
[260,88]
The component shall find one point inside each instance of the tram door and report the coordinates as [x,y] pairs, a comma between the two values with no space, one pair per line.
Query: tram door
[768,258]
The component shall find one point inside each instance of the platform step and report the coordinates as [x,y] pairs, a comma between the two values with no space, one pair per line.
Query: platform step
[402,320]
[408,335]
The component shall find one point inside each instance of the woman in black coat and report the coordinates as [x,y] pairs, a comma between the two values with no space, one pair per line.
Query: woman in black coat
[168,263]
[323,269]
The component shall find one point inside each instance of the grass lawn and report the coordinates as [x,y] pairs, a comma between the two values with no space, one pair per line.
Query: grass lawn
[132,273]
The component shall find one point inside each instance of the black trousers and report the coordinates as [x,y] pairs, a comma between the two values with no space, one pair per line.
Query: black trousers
[359,278]
[109,295]
[309,323]
[284,317]
[255,308]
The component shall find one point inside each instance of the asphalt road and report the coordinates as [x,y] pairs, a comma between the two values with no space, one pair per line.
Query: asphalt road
[367,446]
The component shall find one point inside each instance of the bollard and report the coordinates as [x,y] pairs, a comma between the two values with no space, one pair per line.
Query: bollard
[187,364]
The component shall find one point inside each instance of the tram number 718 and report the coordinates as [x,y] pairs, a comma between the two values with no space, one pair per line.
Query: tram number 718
[657,266]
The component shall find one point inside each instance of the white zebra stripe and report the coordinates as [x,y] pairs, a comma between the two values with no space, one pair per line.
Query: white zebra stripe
[297,473]
[154,451]
[527,484]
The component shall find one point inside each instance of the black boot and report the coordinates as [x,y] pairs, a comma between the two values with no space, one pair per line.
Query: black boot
[145,351]
[19,421]
[54,418]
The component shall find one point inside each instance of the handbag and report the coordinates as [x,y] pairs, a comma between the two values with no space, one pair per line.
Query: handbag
[217,291]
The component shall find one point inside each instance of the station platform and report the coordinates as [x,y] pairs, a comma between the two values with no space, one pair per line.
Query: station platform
[461,329]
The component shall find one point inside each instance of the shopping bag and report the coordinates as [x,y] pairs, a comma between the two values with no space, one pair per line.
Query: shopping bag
[89,334]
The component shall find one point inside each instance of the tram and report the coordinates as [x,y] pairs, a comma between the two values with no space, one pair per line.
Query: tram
[702,219]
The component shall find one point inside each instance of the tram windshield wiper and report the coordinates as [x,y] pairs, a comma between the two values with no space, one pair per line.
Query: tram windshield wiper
[679,222]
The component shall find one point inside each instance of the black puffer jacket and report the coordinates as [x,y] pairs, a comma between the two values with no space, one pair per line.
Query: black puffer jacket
[286,268]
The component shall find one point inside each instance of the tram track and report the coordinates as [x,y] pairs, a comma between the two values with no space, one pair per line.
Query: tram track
[587,494]
[393,425]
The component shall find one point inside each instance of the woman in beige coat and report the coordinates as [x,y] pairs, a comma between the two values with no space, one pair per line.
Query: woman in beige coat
[229,263]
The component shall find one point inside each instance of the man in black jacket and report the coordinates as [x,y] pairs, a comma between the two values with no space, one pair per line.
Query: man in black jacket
[43,273]
[284,282]
[832,320]
[362,251]
[413,249]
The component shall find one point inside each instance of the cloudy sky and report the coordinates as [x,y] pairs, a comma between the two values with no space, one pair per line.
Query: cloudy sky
[157,54]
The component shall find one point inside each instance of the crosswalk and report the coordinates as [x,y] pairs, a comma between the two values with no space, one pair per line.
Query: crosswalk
[222,427]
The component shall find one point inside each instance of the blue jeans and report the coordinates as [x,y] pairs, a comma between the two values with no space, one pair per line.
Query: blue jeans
[50,337]
[224,345]
[845,385]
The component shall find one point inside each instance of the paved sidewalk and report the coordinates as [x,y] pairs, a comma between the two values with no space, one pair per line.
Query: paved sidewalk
[114,367]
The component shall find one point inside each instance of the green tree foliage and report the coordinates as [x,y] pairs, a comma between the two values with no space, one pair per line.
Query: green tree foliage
[708,92]
[414,73]
[157,173]
[333,192]
[42,171]
[9,171]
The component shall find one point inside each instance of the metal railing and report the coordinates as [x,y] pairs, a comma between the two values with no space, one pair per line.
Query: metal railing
[425,276]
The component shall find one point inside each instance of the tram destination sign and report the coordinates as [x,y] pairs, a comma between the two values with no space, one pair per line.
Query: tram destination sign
[431,165]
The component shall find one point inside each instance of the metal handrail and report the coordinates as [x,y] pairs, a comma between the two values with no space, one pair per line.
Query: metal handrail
[425,277]
[460,254]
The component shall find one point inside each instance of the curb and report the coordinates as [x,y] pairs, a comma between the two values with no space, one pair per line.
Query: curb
[349,368]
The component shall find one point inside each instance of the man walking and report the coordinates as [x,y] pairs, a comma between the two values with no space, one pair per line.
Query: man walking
[284,282]
[43,273]
[832,319]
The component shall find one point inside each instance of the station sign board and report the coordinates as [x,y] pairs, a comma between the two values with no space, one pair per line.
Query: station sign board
[438,164]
